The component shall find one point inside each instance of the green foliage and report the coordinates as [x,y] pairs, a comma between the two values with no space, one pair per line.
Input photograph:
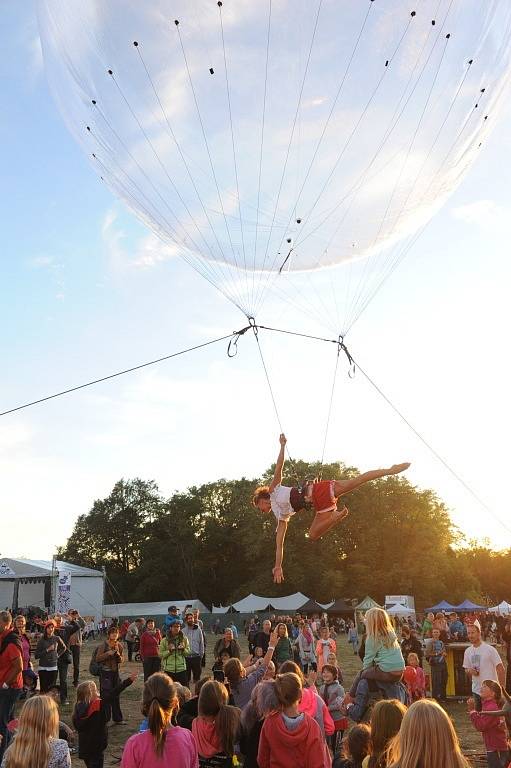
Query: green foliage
[210,542]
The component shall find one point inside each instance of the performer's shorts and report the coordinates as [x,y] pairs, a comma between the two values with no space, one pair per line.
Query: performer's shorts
[322,496]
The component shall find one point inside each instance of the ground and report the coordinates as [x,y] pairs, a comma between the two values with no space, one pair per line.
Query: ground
[130,701]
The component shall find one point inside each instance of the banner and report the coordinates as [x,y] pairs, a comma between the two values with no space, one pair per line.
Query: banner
[64,592]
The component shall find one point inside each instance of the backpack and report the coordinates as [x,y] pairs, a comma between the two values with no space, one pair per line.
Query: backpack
[94,665]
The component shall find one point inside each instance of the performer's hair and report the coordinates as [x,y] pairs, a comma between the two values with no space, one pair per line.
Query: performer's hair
[263,492]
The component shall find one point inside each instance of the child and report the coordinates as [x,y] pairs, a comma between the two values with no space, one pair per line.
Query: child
[285,502]
[386,719]
[324,647]
[219,664]
[241,681]
[216,728]
[355,747]
[332,694]
[311,702]
[162,741]
[290,738]
[383,659]
[332,661]
[414,678]
[36,737]
[493,728]
[90,719]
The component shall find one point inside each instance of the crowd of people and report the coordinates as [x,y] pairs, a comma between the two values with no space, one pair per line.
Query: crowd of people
[284,704]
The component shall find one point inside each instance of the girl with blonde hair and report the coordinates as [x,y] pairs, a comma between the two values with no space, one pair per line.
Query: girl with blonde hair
[36,743]
[383,660]
[427,739]
[162,741]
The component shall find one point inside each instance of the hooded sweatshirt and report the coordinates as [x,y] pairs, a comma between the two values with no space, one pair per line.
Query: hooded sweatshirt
[206,737]
[89,719]
[314,706]
[301,747]
[492,727]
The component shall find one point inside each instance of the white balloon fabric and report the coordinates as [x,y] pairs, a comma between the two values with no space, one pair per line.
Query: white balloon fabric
[259,137]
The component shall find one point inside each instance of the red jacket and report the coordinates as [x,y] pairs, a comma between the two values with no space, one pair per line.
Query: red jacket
[492,727]
[149,643]
[280,748]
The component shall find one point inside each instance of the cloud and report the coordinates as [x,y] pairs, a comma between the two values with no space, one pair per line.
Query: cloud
[147,251]
[484,213]
[41,261]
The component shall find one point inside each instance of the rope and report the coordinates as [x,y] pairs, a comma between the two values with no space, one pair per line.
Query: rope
[116,374]
[432,450]
[255,329]
[329,413]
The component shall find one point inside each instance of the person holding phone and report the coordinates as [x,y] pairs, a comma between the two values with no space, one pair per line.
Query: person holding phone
[482,662]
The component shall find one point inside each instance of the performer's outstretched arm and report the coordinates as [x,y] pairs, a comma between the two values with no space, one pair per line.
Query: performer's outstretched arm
[278,574]
[279,466]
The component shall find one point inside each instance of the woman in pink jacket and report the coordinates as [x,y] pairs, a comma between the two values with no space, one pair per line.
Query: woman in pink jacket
[491,726]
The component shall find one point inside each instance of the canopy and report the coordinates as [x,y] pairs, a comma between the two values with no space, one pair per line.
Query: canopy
[366,604]
[400,610]
[311,606]
[504,608]
[443,605]
[468,605]
[151,609]
[253,603]
[340,606]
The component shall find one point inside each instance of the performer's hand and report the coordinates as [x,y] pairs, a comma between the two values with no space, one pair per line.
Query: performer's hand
[282,439]
[278,574]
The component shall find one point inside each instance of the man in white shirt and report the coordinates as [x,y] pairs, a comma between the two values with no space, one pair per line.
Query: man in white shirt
[482,662]
[284,502]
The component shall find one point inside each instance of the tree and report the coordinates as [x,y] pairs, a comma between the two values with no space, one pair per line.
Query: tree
[209,542]
[113,532]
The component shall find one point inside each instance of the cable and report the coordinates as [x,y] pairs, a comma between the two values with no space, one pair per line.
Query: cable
[329,413]
[432,450]
[115,375]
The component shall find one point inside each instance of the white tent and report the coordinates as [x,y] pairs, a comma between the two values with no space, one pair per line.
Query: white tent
[400,610]
[25,583]
[503,608]
[146,610]
[253,603]
[220,608]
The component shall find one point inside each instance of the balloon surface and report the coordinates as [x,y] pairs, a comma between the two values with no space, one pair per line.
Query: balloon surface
[259,137]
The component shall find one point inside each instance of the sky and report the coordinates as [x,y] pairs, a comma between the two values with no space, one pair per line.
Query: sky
[86,290]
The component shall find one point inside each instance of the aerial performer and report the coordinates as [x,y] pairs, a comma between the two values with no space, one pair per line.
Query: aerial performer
[285,501]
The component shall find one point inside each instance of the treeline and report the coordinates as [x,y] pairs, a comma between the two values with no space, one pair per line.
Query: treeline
[209,542]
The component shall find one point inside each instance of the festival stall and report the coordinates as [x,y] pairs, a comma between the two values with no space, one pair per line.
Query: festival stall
[502,609]
[52,585]
[156,611]
[400,610]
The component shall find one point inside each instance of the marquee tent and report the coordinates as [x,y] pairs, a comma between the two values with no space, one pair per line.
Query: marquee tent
[400,610]
[25,583]
[254,603]
[144,610]
[443,605]
[468,605]
[340,606]
[503,608]
[311,606]
[367,603]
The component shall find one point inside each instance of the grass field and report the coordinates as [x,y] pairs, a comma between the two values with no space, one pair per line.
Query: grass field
[471,740]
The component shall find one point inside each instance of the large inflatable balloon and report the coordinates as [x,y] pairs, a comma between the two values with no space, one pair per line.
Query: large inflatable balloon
[264,137]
